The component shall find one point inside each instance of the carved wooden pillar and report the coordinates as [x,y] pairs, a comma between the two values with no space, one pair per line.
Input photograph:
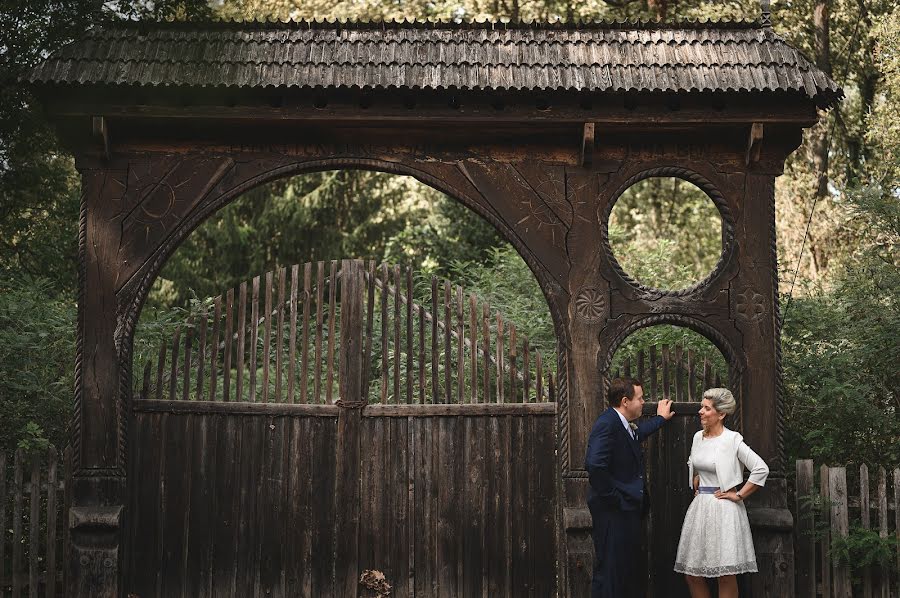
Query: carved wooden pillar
[98,435]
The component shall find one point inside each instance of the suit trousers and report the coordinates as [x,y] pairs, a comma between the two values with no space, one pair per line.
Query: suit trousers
[617,560]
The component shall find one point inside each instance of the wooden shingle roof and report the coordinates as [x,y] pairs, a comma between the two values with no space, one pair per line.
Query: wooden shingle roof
[736,56]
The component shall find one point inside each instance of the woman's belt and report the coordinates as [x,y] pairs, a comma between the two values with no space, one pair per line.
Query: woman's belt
[707,489]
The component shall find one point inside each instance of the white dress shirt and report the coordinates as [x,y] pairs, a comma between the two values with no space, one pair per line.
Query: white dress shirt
[625,423]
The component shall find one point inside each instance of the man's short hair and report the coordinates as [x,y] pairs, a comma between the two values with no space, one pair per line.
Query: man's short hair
[620,388]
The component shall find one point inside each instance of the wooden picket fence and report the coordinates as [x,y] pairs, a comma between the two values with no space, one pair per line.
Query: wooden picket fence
[32,531]
[671,372]
[826,512]
[276,338]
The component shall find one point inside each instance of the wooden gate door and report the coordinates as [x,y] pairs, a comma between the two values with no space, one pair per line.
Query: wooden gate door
[320,424]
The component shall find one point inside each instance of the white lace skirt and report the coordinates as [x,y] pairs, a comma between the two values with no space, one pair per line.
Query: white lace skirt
[715,539]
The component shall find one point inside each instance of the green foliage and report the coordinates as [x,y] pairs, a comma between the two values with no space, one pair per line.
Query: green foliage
[862,548]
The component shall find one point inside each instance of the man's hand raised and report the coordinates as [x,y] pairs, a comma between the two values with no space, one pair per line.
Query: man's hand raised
[664,408]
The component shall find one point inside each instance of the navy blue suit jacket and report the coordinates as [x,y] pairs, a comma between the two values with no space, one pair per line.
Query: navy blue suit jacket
[615,464]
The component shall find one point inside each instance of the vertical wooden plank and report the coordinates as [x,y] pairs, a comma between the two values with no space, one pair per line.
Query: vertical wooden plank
[473,333]
[804,539]
[229,332]
[397,351]
[825,540]
[317,364]
[332,317]
[513,356]
[897,526]
[460,347]
[18,488]
[410,353]
[539,377]
[486,352]
[4,500]
[214,349]
[501,365]
[641,372]
[292,338]
[241,326]
[448,327]
[840,527]
[52,488]
[254,335]
[385,336]
[666,387]
[526,371]
[173,365]
[707,376]
[435,359]
[201,353]
[145,387]
[679,374]
[160,368]
[421,355]
[267,337]
[653,388]
[186,366]
[865,520]
[370,322]
[884,579]
[304,343]
[34,526]
[279,335]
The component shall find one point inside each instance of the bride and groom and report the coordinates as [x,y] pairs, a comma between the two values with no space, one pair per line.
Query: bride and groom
[715,537]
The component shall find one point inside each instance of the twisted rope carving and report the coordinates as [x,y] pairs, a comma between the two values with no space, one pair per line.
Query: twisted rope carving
[79,334]
[780,456]
[711,191]
[562,409]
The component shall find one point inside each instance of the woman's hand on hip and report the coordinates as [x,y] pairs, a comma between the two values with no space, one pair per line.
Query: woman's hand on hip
[729,495]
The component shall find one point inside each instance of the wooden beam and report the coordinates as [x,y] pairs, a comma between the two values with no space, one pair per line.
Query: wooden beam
[100,133]
[455,409]
[754,143]
[237,408]
[587,145]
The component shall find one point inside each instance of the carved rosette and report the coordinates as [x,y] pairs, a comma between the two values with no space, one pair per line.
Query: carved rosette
[590,305]
[750,306]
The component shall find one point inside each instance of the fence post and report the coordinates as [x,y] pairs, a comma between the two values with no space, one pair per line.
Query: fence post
[825,542]
[352,400]
[866,521]
[840,527]
[804,541]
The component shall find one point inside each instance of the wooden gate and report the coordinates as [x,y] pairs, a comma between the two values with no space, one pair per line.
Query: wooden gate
[321,422]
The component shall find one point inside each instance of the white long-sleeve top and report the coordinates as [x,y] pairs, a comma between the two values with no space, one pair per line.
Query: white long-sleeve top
[734,455]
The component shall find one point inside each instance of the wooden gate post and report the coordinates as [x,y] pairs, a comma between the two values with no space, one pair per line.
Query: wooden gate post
[352,400]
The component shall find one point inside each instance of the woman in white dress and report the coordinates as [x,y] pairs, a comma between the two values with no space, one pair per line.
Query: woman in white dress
[715,538]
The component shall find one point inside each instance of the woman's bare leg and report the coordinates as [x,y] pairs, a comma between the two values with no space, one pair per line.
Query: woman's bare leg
[728,586]
[697,586]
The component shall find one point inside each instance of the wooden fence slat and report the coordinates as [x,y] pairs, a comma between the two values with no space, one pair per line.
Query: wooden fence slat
[17,581]
[385,361]
[840,527]
[666,387]
[513,356]
[241,341]
[279,334]
[145,387]
[526,371]
[396,328]
[201,352]
[460,347]
[707,375]
[866,523]
[304,343]
[692,376]
[254,334]
[292,334]
[435,398]
[640,367]
[679,375]
[421,355]
[885,583]
[186,375]
[34,526]
[486,338]
[52,482]
[160,368]
[317,364]
[448,326]
[214,349]
[173,365]
[897,526]
[825,493]
[804,539]
[539,377]
[410,353]
[501,366]
[370,322]
[473,330]
[267,336]
[332,322]
[226,359]
[653,387]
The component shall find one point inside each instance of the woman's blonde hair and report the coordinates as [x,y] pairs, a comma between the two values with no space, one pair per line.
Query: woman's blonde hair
[722,400]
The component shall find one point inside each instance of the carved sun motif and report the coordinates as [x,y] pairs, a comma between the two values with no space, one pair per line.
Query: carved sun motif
[590,304]
[750,305]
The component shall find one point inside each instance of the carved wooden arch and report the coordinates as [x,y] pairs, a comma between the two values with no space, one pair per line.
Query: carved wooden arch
[726,255]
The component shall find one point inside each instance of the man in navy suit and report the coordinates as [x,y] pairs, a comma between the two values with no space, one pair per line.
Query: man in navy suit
[618,493]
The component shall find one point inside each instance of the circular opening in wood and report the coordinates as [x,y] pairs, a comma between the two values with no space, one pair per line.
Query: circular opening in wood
[666,233]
